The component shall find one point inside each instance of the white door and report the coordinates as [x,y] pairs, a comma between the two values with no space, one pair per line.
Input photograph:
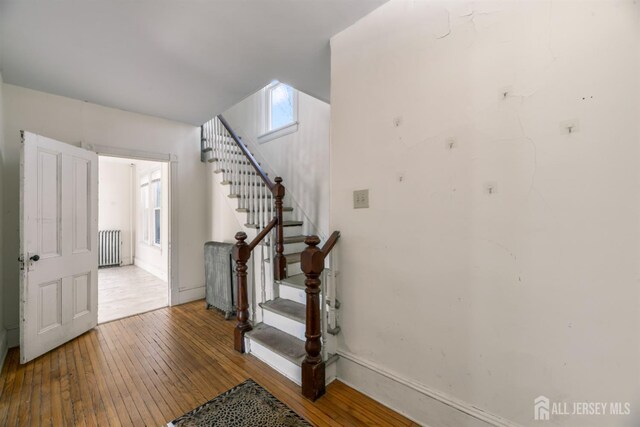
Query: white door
[58,244]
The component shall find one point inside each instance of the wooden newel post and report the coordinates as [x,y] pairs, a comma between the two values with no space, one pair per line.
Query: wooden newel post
[313,376]
[280,262]
[241,254]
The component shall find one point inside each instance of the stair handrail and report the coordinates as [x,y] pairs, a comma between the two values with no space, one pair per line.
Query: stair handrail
[241,254]
[242,250]
[278,191]
[247,154]
[312,262]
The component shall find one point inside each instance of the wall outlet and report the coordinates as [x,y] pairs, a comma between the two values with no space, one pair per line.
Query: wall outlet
[360,199]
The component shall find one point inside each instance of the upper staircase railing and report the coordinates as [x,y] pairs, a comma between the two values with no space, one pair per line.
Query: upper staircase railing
[260,197]
[262,200]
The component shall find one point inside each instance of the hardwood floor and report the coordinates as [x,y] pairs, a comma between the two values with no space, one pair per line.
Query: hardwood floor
[129,290]
[150,368]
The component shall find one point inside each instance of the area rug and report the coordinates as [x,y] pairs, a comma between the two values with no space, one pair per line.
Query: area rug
[247,404]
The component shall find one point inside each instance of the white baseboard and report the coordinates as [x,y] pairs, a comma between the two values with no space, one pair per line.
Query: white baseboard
[188,295]
[415,401]
[4,347]
[160,274]
[13,336]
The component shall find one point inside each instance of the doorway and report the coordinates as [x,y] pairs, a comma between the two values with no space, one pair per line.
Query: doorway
[133,237]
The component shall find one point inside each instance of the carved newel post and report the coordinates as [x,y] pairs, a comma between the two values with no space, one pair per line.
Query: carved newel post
[313,376]
[280,262]
[241,254]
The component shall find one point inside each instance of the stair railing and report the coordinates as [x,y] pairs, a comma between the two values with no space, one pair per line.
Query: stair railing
[258,196]
[312,262]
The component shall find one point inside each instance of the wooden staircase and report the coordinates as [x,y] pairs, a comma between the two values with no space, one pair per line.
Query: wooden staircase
[286,312]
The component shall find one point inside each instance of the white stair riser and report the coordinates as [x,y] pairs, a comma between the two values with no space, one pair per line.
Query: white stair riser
[285,324]
[291,248]
[293,269]
[292,231]
[277,362]
[294,294]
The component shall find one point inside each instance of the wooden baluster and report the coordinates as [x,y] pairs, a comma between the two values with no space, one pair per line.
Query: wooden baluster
[280,262]
[241,254]
[313,376]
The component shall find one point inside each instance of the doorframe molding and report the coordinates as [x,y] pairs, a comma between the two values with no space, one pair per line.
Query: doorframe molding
[172,160]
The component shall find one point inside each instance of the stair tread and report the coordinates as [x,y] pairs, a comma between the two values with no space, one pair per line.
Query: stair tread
[291,223]
[295,281]
[284,209]
[284,224]
[287,308]
[295,239]
[291,258]
[287,346]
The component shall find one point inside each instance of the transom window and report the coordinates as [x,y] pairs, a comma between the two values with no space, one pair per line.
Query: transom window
[280,111]
[282,108]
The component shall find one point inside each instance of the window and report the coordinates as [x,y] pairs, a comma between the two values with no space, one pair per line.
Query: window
[280,111]
[156,195]
[144,207]
[151,208]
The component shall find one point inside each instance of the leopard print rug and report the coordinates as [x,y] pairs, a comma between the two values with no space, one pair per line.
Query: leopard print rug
[247,404]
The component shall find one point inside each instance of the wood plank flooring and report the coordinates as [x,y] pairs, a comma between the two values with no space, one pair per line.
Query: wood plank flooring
[150,368]
[129,290]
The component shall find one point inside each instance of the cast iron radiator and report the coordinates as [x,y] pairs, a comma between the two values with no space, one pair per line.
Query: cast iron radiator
[108,248]
[219,277]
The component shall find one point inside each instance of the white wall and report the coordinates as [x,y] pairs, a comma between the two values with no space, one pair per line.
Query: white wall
[114,202]
[485,299]
[75,121]
[3,331]
[300,158]
[223,222]
[154,259]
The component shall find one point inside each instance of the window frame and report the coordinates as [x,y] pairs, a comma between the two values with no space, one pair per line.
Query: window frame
[149,207]
[155,205]
[269,134]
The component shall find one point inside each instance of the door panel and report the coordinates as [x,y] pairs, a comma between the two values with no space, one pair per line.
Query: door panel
[81,205]
[58,236]
[49,306]
[81,295]
[49,204]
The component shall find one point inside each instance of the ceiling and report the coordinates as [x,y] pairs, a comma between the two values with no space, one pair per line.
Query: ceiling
[184,60]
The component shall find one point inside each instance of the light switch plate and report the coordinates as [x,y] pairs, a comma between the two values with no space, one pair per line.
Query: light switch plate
[360,199]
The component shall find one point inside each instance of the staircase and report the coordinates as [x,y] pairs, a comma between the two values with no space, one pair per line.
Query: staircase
[286,317]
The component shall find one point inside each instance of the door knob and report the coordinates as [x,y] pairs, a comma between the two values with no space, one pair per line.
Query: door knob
[35,258]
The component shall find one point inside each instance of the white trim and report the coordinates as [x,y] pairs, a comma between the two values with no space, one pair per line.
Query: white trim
[378,383]
[13,336]
[174,208]
[277,133]
[192,294]
[159,273]
[107,150]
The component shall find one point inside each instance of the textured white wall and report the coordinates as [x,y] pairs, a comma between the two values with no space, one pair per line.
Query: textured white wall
[75,121]
[300,158]
[490,298]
